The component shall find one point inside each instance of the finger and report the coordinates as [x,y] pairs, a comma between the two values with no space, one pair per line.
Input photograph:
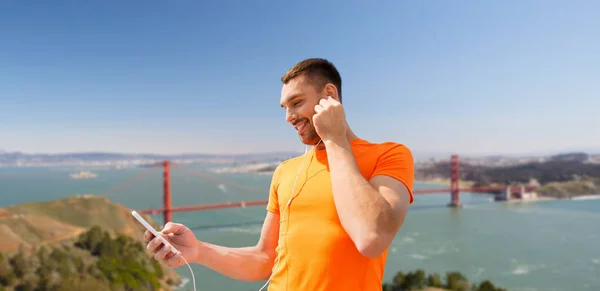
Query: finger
[333,101]
[169,255]
[175,228]
[324,102]
[318,108]
[168,226]
[161,255]
[172,261]
[154,245]
[148,236]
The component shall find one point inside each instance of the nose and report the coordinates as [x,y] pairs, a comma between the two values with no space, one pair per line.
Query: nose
[289,116]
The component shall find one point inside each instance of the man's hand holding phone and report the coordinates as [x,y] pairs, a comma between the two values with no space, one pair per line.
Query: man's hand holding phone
[180,237]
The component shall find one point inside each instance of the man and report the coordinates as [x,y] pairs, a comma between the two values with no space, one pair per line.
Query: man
[332,213]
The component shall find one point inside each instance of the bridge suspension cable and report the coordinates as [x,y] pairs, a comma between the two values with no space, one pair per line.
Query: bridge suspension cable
[207,177]
[131,181]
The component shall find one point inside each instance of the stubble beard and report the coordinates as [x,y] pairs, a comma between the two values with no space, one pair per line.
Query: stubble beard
[310,137]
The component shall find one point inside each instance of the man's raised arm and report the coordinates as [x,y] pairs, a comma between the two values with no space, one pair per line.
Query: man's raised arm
[371,211]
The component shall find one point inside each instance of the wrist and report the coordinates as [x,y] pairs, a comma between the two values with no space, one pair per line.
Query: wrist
[199,248]
[336,142]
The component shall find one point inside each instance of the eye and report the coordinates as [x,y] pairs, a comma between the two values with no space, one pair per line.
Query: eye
[297,103]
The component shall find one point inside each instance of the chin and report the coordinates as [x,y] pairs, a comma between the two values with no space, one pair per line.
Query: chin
[311,141]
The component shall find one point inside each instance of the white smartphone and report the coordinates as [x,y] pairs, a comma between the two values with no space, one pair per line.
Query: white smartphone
[152,230]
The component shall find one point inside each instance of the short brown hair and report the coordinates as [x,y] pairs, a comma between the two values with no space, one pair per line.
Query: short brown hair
[319,71]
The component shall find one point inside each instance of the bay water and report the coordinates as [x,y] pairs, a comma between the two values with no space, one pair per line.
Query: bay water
[543,245]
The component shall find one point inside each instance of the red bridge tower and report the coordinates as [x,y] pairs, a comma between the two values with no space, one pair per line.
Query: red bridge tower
[167,214]
[454,182]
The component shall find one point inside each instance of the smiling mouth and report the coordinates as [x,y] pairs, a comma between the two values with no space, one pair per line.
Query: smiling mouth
[301,127]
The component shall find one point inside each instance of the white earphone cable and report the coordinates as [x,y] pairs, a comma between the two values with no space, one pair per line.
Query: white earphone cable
[283,211]
[292,196]
[193,277]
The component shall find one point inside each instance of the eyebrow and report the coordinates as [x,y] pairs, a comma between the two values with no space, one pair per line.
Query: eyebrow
[290,99]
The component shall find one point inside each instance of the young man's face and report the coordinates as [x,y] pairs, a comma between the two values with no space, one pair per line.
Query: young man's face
[299,98]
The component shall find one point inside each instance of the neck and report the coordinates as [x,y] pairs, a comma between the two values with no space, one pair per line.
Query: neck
[349,135]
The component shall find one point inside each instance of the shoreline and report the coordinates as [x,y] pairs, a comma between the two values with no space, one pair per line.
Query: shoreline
[530,200]
[442,182]
[254,168]
[548,198]
[586,197]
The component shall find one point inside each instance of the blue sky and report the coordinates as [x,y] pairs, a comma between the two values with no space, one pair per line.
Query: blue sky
[182,76]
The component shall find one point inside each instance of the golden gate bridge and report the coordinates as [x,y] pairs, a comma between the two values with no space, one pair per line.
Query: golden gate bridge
[167,210]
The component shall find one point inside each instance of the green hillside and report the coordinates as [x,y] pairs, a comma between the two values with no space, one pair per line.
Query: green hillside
[32,224]
[78,243]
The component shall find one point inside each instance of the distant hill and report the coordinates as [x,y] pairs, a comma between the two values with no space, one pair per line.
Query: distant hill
[74,229]
[11,159]
[562,175]
[570,157]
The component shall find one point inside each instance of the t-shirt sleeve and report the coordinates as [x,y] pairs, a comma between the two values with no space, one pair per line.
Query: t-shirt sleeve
[273,204]
[397,162]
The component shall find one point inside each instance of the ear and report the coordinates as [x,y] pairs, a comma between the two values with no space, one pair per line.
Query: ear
[331,90]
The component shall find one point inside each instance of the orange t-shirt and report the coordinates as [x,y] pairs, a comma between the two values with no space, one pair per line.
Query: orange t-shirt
[314,251]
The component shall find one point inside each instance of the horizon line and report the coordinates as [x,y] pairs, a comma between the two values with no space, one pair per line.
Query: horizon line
[415,153]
